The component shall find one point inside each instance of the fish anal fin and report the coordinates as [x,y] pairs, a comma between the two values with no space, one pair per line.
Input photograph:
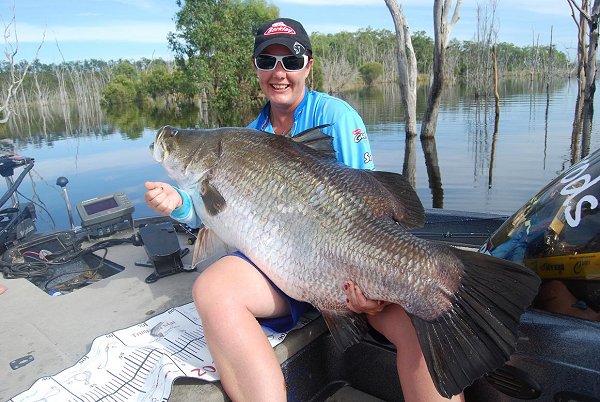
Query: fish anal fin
[406,205]
[479,332]
[208,245]
[347,328]
[212,199]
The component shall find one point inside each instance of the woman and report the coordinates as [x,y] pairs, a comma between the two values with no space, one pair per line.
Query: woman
[232,295]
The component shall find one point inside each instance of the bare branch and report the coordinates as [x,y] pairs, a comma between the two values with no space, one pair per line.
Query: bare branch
[11,49]
[573,14]
[583,13]
[455,16]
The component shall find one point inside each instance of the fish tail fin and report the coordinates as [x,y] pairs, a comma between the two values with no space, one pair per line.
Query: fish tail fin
[479,333]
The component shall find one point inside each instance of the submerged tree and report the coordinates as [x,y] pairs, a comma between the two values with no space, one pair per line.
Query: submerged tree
[586,74]
[442,29]
[370,72]
[407,73]
[407,67]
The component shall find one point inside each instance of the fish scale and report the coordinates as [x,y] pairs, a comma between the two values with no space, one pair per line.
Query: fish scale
[311,223]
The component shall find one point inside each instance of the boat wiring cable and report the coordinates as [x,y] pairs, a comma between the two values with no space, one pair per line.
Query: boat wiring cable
[43,261]
[39,204]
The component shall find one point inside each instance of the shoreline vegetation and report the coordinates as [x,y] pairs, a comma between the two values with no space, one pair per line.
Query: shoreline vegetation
[344,61]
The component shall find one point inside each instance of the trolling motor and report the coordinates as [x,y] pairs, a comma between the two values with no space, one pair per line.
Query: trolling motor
[16,221]
[62,183]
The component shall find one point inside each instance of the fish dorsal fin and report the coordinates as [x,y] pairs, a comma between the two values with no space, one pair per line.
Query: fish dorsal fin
[406,206]
[208,245]
[317,140]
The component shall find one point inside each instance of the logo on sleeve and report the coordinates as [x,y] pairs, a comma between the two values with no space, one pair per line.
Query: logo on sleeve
[359,135]
[368,157]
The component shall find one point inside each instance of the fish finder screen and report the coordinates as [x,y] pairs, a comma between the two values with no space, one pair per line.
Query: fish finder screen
[100,206]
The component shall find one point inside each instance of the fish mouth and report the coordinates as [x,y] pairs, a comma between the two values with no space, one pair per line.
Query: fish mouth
[157,148]
[157,152]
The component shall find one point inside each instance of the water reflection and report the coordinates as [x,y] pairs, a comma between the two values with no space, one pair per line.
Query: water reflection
[433,172]
[487,165]
[409,168]
[474,163]
[493,151]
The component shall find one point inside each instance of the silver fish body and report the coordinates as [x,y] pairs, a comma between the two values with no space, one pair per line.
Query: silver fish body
[310,223]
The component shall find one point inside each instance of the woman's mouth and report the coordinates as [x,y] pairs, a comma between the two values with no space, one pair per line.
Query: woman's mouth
[279,87]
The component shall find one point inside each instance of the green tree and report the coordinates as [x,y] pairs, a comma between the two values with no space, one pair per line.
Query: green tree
[123,87]
[156,82]
[370,72]
[213,45]
[423,47]
[120,91]
[126,69]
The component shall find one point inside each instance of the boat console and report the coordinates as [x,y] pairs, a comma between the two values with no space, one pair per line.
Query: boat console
[61,262]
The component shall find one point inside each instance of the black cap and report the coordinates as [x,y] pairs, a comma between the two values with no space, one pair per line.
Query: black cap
[282,31]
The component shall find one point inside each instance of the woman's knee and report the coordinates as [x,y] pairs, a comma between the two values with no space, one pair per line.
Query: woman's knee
[202,290]
[213,286]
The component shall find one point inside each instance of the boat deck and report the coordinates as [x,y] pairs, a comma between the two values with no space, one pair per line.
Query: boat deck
[55,332]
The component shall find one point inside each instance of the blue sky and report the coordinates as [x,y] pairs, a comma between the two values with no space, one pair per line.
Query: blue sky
[132,29]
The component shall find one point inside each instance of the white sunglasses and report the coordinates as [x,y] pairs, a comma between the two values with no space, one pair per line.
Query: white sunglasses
[267,62]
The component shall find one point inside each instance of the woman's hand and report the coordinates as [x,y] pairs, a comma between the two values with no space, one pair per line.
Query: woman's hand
[162,197]
[358,303]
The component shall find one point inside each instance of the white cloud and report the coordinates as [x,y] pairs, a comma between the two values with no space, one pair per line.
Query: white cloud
[134,31]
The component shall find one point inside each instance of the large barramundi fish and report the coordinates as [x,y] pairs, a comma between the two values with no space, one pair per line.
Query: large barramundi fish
[310,223]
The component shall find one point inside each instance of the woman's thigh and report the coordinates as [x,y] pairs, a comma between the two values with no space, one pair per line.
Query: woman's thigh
[232,282]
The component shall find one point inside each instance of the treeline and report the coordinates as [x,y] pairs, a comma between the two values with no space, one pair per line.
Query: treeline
[342,60]
[343,53]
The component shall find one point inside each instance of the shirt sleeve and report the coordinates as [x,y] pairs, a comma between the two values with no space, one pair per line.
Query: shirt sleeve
[349,133]
[185,213]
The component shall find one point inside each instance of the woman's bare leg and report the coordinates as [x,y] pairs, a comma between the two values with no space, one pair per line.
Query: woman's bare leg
[228,295]
[417,385]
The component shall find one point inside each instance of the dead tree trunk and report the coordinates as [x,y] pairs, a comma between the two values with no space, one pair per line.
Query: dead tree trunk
[495,79]
[586,73]
[590,80]
[407,68]
[441,11]
[15,75]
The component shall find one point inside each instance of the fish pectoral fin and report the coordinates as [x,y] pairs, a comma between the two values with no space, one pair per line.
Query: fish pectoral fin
[347,328]
[208,245]
[212,199]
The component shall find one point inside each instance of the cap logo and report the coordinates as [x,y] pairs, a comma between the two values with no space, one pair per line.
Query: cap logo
[280,28]
[298,48]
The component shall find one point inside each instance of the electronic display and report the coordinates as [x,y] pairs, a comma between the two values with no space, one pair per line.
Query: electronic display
[102,205]
[105,212]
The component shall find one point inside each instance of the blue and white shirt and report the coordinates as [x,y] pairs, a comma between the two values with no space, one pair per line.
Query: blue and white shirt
[350,140]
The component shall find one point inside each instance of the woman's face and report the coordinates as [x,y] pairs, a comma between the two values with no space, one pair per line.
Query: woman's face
[285,89]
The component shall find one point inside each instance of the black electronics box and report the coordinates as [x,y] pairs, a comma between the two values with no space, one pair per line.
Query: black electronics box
[162,246]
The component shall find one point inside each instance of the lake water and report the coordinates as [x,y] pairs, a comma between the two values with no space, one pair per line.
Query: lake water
[478,170]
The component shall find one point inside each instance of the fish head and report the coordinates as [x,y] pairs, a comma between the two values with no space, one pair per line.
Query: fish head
[186,155]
